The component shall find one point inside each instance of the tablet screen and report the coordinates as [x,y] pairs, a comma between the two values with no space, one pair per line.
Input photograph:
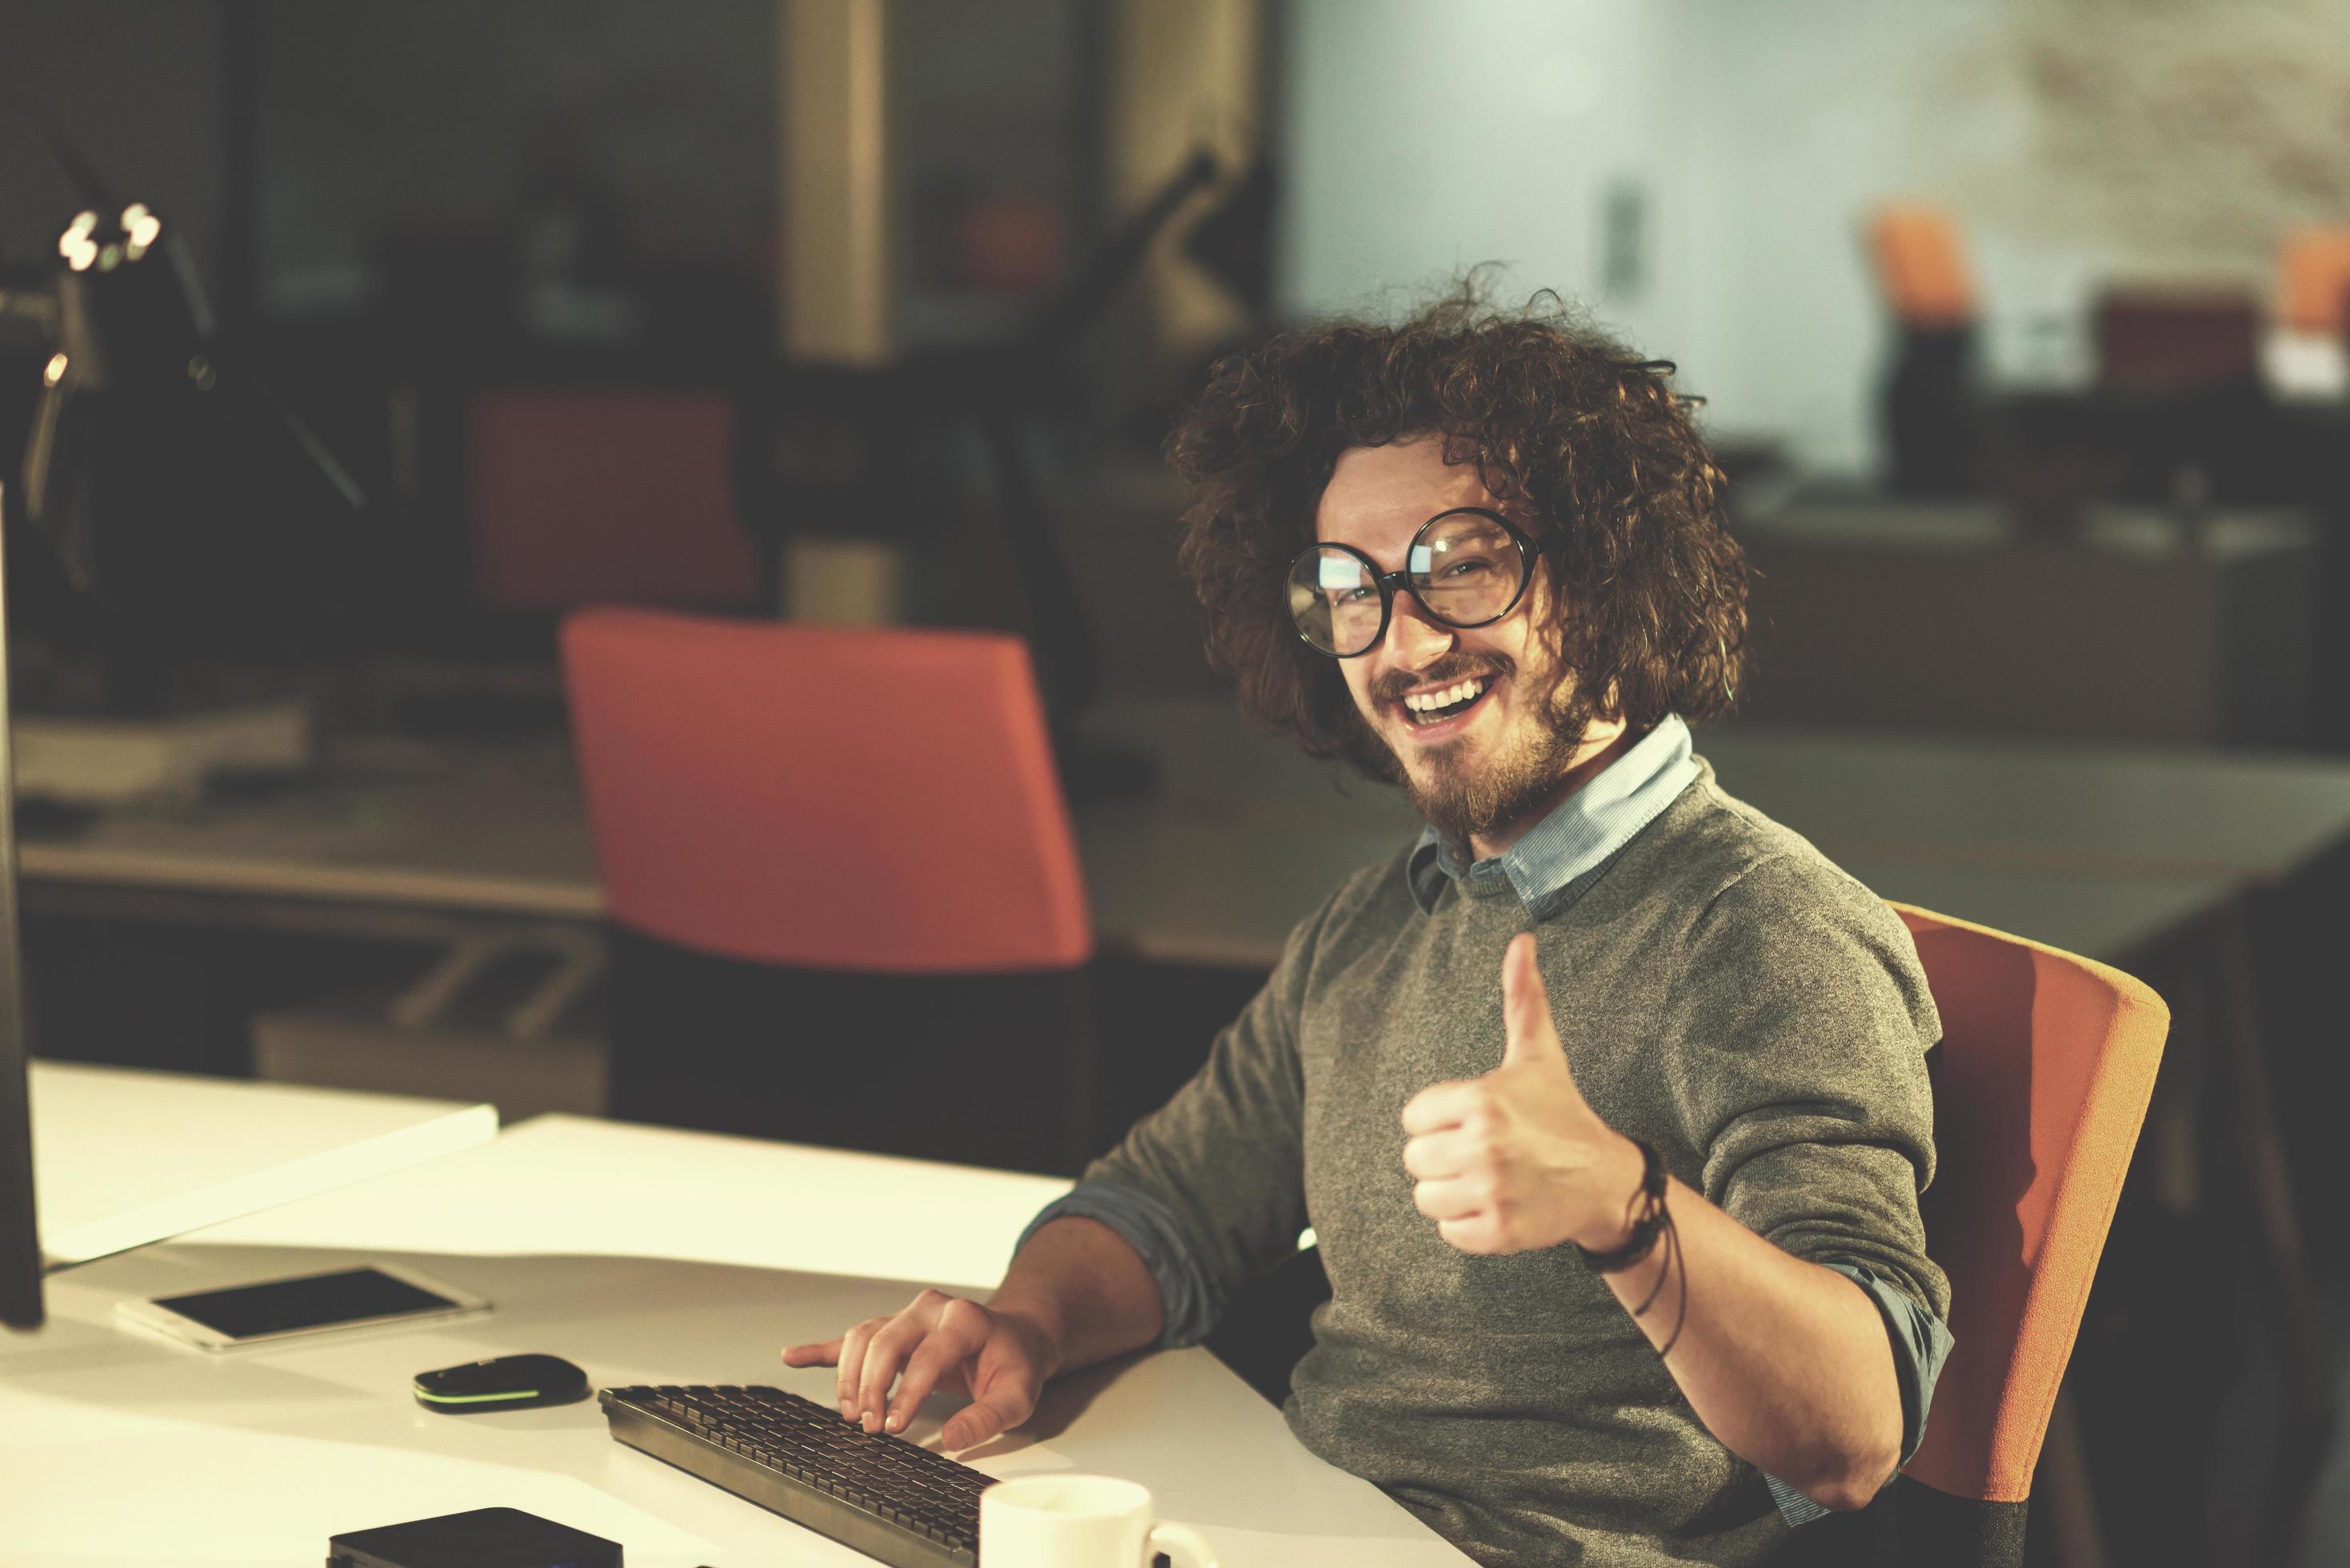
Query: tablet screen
[314,1301]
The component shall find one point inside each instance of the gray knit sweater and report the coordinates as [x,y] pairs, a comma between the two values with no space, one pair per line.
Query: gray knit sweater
[1725,992]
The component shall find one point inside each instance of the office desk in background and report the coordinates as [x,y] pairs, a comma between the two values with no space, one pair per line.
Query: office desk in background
[645,1256]
[392,840]
[2134,627]
[2095,849]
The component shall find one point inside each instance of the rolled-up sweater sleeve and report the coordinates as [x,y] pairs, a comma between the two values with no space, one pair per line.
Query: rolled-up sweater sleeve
[1801,1022]
[1210,1187]
[1187,1298]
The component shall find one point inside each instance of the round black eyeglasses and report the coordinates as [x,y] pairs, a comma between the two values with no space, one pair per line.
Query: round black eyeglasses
[1468,567]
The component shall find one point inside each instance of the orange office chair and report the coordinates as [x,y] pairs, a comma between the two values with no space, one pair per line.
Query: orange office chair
[1921,265]
[1932,412]
[845,895]
[2314,280]
[2046,1064]
[2042,1078]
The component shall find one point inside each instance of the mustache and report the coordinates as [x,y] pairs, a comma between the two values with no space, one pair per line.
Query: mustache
[1447,671]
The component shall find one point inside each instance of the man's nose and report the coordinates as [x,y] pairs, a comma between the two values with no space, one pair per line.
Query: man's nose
[1414,638]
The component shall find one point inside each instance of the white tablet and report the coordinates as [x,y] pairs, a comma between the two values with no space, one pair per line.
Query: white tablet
[309,1304]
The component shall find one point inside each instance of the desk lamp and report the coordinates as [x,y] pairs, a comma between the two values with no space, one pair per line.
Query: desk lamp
[89,244]
[128,315]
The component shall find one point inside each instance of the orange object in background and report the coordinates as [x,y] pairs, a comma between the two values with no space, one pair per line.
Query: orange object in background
[1921,265]
[1011,245]
[2314,280]
[848,798]
[585,496]
[2041,1082]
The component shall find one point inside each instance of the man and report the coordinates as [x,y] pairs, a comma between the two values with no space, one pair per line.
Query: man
[1606,1098]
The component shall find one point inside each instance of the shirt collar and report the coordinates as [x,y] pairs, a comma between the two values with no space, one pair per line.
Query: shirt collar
[1546,865]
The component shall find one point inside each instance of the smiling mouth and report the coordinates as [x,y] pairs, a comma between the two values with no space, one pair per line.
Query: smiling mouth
[1421,708]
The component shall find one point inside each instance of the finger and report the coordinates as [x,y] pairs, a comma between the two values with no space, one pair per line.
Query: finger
[1447,1201]
[825,1355]
[958,1334]
[1531,1034]
[1442,1106]
[1433,1157]
[909,1325]
[852,1364]
[883,1358]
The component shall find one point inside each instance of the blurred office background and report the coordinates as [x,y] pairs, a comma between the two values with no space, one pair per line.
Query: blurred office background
[2021,329]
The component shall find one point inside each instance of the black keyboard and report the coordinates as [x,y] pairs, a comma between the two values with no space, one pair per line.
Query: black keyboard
[880,1494]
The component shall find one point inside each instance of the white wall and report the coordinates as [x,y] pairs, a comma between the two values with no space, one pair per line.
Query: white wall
[2076,140]
[1422,139]
[1801,114]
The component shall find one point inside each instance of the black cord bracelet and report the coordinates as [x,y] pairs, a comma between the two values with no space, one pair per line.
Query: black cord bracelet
[1647,1228]
[1655,1220]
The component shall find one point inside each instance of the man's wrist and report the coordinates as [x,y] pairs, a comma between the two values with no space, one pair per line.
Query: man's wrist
[1039,1323]
[1616,1176]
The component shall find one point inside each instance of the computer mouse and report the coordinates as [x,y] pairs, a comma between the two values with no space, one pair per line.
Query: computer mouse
[501,1382]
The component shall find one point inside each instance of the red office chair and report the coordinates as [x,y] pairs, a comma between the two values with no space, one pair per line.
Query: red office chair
[842,874]
[582,495]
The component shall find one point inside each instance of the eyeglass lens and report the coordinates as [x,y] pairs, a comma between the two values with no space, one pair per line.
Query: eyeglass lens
[1464,569]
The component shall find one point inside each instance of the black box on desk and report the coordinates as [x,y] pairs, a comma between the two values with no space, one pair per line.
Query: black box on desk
[482,1538]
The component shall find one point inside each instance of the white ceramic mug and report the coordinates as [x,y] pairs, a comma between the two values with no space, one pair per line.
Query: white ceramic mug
[1080,1522]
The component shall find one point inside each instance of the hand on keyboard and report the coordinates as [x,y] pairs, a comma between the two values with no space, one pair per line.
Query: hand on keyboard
[881,1495]
[939,1341]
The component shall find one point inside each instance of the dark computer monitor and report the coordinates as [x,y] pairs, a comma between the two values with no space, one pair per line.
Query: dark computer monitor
[20,1240]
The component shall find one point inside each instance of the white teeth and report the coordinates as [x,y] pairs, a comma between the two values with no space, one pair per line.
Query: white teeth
[1422,701]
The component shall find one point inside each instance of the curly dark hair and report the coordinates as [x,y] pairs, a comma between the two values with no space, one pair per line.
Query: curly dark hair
[1560,420]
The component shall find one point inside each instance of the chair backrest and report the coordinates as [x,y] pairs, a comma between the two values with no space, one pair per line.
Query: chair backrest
[2041,1082]
[876,800]
[1921,265]
[2166,339]
[2314,280]
[585,496]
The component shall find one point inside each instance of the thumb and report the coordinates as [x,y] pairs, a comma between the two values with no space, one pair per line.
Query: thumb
[1531,1035]
[1000,1409]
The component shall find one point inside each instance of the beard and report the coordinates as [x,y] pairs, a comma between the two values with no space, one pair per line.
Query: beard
[1463,796]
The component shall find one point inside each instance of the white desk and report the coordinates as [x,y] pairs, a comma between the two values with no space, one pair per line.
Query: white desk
[121,1157]
[644,1256]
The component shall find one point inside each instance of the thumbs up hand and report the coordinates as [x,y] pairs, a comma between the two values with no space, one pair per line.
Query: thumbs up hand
[1517,1160]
